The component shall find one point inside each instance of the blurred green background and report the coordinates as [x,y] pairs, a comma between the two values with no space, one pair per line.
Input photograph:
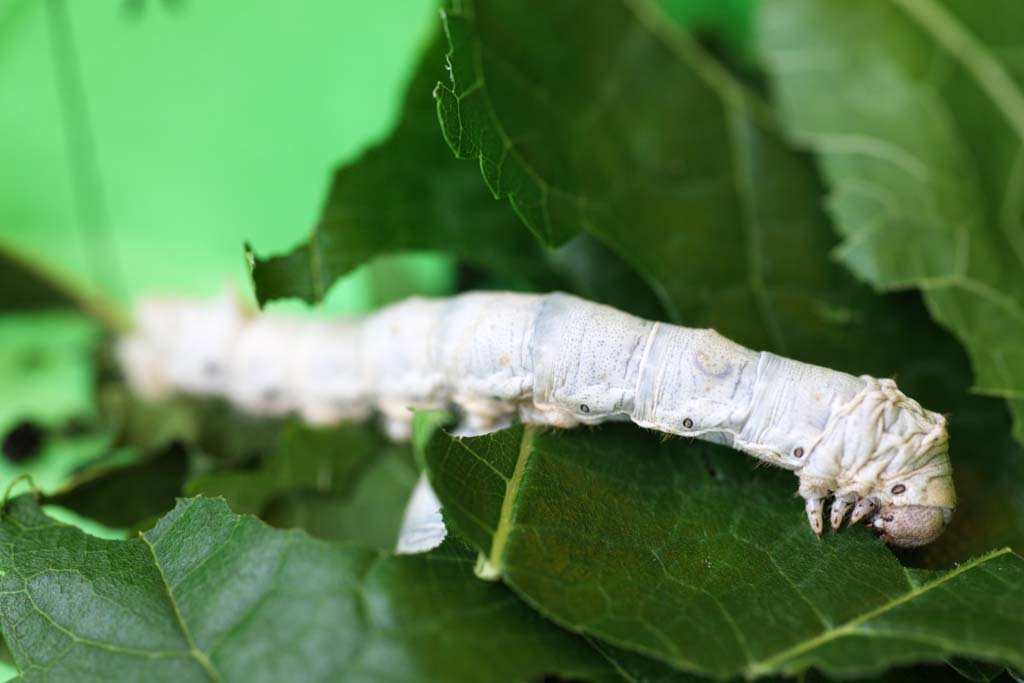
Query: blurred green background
[211,124]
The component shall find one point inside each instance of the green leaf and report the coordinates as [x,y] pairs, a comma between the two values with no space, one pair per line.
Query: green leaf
[305,458]
[345,483]
[211,596]
[726,21]
[212,426]
[978,672]
[915,109]
[657,152]
[679,551]
[643,140]
[370,513]
[406,193]
[636,668]
[128,494]
[597,143]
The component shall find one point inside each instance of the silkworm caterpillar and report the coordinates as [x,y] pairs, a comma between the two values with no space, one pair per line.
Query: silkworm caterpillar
[558,360]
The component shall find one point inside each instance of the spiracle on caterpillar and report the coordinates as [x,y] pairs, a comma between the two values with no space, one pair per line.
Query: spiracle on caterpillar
[558,360]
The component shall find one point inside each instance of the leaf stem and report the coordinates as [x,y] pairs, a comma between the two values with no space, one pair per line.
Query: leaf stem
[10,487]
[505,523]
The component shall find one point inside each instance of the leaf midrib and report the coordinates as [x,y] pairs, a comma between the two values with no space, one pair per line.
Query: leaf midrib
[1005,94]
[499,541]
[194,650]
[771,664]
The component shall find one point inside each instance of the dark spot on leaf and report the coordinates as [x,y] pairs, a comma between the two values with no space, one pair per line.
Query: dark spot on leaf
[799,452]
[898,489]
[24,441]
[688,423]
[584,407]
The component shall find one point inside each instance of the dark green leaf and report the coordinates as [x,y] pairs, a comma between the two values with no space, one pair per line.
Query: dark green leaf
[636,668]
[370,513]
[29,285]
[917,674]
[679,551]
[22,287]
[977,672]
[406,193]
[345,483]
[694,189]
[916,111]
[688,183]
[126,495]
[226,435]
[725,23]
[683,181]
[211,596]
[305,459]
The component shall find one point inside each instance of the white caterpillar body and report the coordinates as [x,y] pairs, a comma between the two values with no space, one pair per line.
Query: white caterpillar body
[558,360]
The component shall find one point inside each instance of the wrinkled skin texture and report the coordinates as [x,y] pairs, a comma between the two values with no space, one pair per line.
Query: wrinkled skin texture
[886,458]
[560,361]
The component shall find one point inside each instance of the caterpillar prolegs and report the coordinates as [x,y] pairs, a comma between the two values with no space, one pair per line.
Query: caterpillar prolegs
[558,360]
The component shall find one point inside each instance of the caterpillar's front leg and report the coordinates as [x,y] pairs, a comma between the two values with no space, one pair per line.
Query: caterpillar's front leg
[815,509]
[842,503]
[866,508]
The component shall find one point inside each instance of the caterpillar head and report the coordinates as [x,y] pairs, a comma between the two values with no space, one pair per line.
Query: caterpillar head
[910,526]
[888,458]
[915,486]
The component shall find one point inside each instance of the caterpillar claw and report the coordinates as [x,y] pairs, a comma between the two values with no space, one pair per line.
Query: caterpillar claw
[815,510]
[864,508]
[840,506]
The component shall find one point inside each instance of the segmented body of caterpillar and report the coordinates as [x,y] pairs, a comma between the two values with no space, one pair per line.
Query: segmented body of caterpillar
[558,360]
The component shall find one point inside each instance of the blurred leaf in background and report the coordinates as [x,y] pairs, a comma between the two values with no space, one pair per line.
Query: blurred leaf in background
[346,483]
[923,150]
